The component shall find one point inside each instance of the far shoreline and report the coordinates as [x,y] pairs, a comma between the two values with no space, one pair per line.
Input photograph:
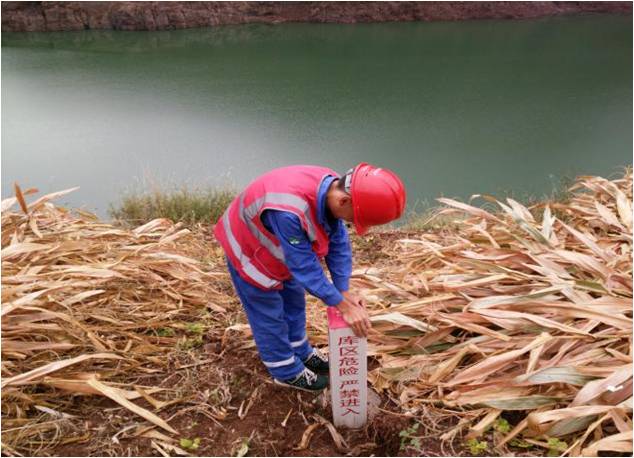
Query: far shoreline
[154,16]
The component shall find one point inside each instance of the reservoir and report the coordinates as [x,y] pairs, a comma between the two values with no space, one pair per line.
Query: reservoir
[455,108]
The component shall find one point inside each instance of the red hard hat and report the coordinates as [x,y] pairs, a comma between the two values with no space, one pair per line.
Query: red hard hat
[378,196]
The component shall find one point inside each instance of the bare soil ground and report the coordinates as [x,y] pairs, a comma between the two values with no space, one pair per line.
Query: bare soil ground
[261,429]
[228,401]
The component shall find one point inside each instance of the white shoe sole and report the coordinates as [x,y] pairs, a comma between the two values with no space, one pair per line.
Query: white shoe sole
[277,382]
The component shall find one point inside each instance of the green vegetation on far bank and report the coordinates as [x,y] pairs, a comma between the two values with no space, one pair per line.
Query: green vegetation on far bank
[200,205]
[205,205]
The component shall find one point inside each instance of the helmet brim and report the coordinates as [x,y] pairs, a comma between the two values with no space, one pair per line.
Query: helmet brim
[361,230]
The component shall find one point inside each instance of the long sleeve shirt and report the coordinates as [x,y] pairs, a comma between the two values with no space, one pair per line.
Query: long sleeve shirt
[299,256]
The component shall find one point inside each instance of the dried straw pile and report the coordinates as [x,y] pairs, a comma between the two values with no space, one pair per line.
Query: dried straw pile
[507,314]
[521,313]
[82,304]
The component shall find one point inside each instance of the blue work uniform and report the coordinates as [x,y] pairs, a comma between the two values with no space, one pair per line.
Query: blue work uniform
[278,317]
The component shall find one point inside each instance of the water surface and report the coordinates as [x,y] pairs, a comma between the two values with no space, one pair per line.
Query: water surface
[456,108]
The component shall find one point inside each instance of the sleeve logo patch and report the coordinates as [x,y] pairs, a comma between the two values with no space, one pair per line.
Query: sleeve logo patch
[294,241]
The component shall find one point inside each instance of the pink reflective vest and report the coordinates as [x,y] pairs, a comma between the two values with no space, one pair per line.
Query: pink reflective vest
[254,251]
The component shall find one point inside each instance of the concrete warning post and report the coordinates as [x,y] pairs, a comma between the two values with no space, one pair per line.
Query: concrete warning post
[348,373]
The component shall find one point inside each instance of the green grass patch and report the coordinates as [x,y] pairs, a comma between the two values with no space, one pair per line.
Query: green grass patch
[190,206]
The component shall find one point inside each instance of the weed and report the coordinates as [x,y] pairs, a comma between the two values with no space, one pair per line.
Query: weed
[214,396]
[243,447]
[238,380]
[187,205]
[195,328]
[189,343]
[556,447]
[408,439]
[165,332]
[477,447]
[190,444]
[520,443]
[502,425]
[238,385]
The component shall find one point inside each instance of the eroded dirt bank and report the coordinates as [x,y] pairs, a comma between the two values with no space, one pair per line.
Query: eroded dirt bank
[59,16]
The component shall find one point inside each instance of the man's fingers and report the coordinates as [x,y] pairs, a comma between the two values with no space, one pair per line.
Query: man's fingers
[364,326]
[366,321]
[357,326]
[357,330]
[359,321]
[354,324]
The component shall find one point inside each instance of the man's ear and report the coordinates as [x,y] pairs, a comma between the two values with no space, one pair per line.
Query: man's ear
[344,200]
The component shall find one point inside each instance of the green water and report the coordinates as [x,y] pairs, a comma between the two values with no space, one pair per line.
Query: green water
[455,108]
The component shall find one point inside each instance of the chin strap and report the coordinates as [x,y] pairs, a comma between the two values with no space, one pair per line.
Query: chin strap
[347,180]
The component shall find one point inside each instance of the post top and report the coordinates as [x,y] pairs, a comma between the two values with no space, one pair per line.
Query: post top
[335,319]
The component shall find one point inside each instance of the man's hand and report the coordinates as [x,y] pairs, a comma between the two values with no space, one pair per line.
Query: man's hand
[354,298]
[355,314]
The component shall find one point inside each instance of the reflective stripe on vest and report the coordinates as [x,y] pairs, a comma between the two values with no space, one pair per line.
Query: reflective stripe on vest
[245,262]
[279,198]
[246,216]
[255,230]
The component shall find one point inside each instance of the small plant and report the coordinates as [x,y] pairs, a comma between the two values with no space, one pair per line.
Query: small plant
[502,425]
[238,385]
[214,396]
[190,444]
[556,447]
[188,344]
[520,443]
[477,447]
[408,439]
[165,332]
[195,328]
[243,448]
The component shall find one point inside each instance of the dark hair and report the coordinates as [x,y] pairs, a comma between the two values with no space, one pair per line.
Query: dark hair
[341,183]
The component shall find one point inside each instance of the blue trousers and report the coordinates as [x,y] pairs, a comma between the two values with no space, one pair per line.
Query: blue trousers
[278,322]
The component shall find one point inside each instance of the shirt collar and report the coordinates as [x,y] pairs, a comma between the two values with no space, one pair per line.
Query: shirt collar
[322,212]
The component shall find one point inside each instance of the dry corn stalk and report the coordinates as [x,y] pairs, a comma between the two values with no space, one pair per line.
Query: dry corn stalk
[524,309]
[83,304]
[501,312]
